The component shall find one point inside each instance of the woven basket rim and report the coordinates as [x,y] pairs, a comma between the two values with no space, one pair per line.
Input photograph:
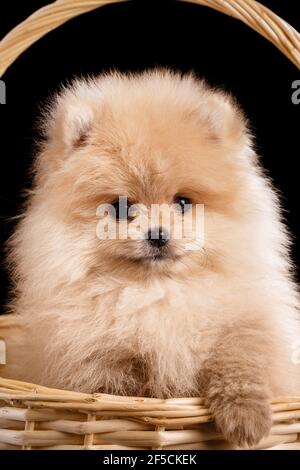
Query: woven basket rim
[29,391]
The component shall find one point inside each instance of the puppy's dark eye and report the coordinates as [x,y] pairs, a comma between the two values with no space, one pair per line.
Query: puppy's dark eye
[183,202]
[121,208]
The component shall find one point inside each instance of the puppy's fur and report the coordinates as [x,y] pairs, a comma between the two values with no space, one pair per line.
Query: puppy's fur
[99,315]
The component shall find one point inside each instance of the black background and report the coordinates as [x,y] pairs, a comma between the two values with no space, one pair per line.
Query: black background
[139,35]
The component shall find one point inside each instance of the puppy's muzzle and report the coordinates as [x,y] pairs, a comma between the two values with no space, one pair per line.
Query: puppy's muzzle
[158,237]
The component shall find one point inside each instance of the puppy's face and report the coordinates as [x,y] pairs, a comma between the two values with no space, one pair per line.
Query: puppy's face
[148,169]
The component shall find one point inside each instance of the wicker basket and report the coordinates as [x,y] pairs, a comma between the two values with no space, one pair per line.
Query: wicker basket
[35,417]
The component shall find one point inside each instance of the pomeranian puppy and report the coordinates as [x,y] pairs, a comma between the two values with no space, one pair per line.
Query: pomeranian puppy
[151,316]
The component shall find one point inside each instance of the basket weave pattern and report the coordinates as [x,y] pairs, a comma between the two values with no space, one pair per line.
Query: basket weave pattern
[35,417]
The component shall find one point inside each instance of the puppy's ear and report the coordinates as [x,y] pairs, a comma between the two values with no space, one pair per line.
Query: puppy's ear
[71,118]
[223,117]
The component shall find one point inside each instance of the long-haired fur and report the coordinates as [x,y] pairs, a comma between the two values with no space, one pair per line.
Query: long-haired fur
[99,315]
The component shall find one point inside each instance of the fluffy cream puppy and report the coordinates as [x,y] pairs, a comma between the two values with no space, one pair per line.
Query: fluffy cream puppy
[135,317]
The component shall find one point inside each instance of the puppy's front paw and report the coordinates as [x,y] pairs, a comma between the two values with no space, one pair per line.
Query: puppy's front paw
[245,422]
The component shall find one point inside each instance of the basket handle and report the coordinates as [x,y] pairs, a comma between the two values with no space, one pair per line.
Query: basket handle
[255,15]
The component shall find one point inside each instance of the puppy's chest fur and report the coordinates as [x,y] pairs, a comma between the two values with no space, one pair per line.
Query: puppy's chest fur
[124,338]
[160,334]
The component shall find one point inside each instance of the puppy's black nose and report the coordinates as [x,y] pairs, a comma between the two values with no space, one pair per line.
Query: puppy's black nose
[158,237]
